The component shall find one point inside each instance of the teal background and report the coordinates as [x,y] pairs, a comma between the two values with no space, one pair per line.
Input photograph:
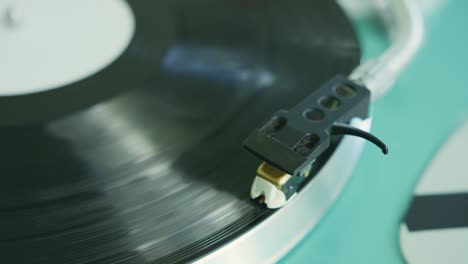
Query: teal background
[428,102]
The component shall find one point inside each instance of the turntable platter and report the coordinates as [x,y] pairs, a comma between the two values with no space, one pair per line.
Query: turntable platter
[142,162]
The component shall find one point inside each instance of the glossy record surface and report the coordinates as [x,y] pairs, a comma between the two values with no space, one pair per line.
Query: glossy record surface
[143,162]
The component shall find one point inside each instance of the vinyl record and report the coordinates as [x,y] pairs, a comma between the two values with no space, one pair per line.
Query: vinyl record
[142,162]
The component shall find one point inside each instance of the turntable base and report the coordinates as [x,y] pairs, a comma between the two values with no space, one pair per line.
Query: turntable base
[363,225]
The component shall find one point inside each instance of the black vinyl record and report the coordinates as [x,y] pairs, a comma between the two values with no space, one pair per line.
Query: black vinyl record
[143,161]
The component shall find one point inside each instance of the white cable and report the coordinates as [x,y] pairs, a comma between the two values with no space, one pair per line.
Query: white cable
[404,22]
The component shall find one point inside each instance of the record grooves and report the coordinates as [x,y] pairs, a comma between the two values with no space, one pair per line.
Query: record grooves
[151,169]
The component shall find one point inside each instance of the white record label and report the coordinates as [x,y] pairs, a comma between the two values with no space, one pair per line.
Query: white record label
[48,44]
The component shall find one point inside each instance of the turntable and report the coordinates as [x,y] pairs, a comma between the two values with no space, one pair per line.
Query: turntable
[122,125]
